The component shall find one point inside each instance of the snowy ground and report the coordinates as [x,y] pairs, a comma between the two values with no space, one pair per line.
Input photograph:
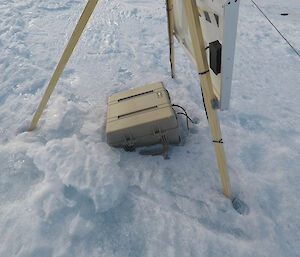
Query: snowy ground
[64,192]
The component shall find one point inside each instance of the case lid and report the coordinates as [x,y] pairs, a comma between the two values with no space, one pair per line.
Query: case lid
[139,106]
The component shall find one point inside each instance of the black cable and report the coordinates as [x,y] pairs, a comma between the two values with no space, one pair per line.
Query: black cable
[176,105]
[204,72]
[218,141]
[204,104]
[187,119]
[275,28]
[185,114]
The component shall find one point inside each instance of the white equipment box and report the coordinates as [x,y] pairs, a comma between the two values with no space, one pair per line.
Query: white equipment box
[141,116]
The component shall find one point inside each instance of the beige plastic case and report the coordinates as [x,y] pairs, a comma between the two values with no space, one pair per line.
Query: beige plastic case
[141,116]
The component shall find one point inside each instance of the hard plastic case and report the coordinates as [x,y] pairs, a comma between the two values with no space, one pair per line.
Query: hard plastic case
[140,117]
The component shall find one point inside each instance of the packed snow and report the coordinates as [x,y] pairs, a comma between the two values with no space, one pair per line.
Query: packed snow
[65,192]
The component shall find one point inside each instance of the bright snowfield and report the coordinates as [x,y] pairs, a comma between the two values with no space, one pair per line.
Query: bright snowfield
[64,192]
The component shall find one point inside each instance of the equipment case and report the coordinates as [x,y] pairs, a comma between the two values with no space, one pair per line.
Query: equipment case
[141,116]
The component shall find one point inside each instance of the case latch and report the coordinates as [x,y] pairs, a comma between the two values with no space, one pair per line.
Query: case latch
[129,144]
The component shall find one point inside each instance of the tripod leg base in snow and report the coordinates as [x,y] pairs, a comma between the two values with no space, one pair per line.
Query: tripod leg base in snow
[84,18]
[240,206]
[192,15]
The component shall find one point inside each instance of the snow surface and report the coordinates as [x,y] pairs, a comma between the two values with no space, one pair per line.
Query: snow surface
[64,192]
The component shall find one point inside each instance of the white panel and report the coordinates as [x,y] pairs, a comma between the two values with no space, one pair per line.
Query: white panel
[225,33]
[212,31]
[218,19]
[216,6]
[229,39]
[181,28]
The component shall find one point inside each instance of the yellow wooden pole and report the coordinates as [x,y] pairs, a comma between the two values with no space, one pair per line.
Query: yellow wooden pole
[191,13]
[83,20]
[170,15]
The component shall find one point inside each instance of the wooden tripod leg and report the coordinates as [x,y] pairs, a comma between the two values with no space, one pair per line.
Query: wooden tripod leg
[170,15]
[84,18]
[191,12]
